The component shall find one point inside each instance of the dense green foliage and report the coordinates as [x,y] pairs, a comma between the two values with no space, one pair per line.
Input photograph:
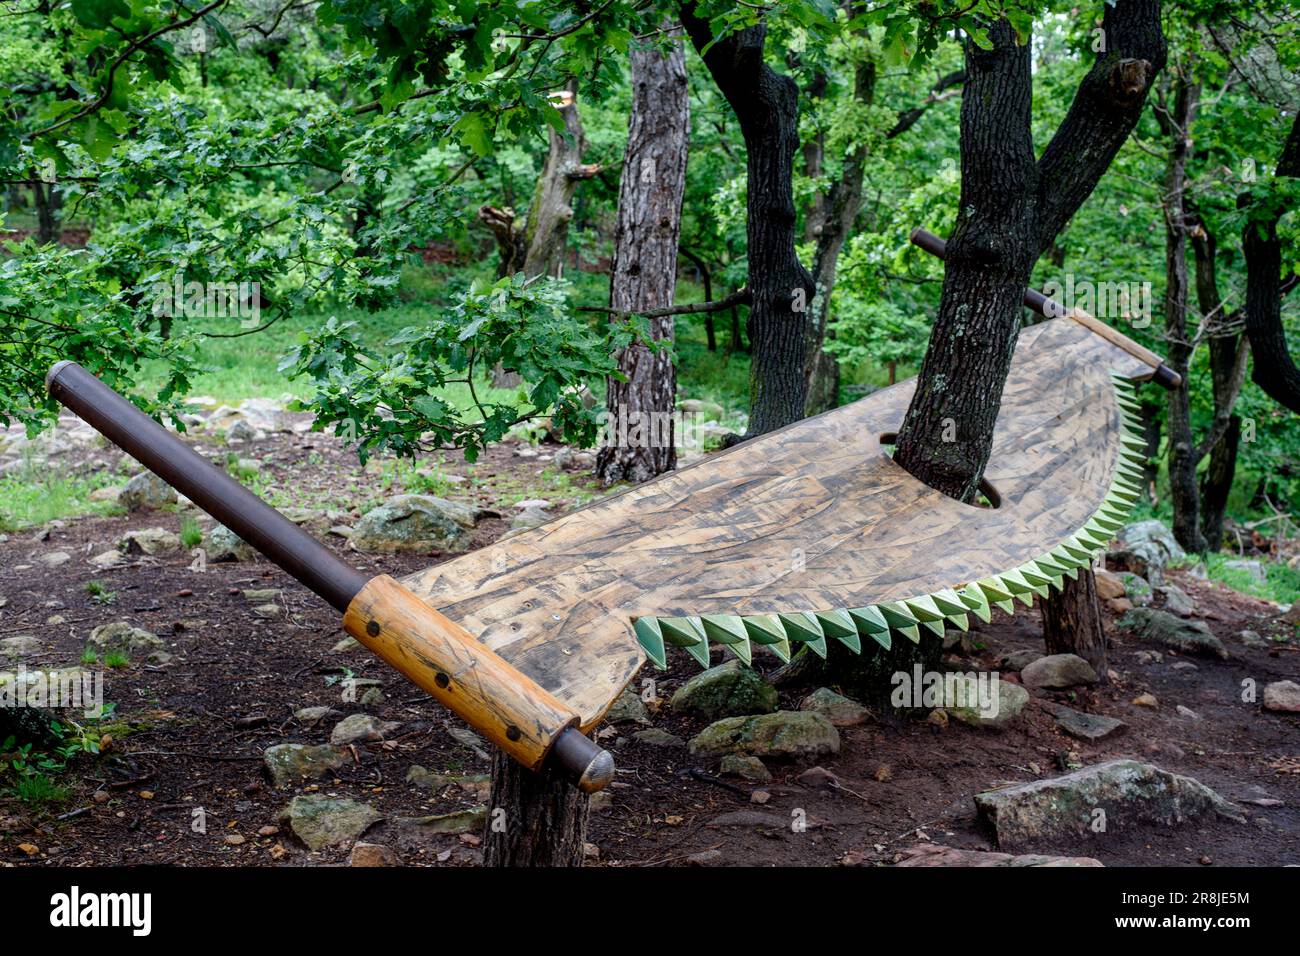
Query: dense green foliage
[327,161]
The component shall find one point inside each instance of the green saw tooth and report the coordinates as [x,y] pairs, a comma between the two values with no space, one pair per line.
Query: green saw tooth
[994,589]
[1056,571]
[910,632]
[837,624]
[688,634]
[651,640]
[818,647]
[729,630]
[872,623]
[897,615]
[1027,599]
[924,608]
[976,600]
[960,621]
[1031,573]
[802,627]
[948,602]
[764,629]
[1072,554]
[681,631]
[781,649]
[1136,442]
[935,627]
[1008,606]
[1015,582]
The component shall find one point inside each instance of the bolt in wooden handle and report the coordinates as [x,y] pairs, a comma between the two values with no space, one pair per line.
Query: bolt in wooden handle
[469,678]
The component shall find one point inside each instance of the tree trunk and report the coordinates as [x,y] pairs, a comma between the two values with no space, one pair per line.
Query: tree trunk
[534,819]
[948,429]
[1216,483]
[1010,212]
[766,106]
[830,222]
[1175,121]
[47,212]
[706,279]
[552,207]
[1072,622]
[644,275]
[1275,371]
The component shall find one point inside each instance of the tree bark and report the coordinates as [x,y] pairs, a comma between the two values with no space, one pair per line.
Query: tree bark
[1176,113]
[948,429]
[644,275]
[534,819]
[1072,622]
[766,106]
[829,222]
[1011,211]
[46,199]
[1216,483]
[1274,370]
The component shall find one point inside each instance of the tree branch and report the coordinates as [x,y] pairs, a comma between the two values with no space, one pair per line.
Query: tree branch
[739,297]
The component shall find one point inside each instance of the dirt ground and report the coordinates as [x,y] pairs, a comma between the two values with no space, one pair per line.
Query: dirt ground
[190,733]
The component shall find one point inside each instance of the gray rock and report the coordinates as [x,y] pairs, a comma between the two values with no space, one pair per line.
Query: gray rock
[654,737]
[224,545]
[746,768]
[311,716]
[628,708]
[529,518]
[414,523]
[728,690]
[292,763]
[241,431]
[1019,660]
[121,636]
[1127,791]
[1161,627]
[1058,671]
[1176,600]
[1136,589]
[269,612]
[1146,547]
[361,727]
[54,559]
[150,541]
[1187,712]
[1252,638]
[1283,696]
[320,821]
[460,821]
[932,854]
[146,490]
[261,595]
[422,778]
[1081,725]
[24,645]
[838,709]
[1011,701]
[784,734]
[1254,568]
[106,560]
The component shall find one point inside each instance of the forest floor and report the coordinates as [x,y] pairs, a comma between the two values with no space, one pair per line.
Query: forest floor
[190,732]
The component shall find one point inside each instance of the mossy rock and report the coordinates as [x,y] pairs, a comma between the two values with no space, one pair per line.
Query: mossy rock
[728,690]
[786,734]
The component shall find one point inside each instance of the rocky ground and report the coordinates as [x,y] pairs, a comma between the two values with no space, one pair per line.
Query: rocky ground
[246,729]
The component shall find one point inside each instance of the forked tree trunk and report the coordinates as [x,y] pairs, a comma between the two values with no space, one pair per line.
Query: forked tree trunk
[644,275]
[766,106]
[1011,211]
[1072,622]
[534,819]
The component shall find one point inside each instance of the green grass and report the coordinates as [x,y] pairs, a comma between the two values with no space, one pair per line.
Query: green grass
[1281,583]
[116,660]
[37,790]
[191,533]
[32,496]
[89,656]
[100,593]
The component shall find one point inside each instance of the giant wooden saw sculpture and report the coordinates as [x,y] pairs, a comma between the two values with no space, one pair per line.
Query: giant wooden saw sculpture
[799,537]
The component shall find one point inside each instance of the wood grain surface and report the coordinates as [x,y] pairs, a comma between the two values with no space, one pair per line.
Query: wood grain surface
[811,517]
